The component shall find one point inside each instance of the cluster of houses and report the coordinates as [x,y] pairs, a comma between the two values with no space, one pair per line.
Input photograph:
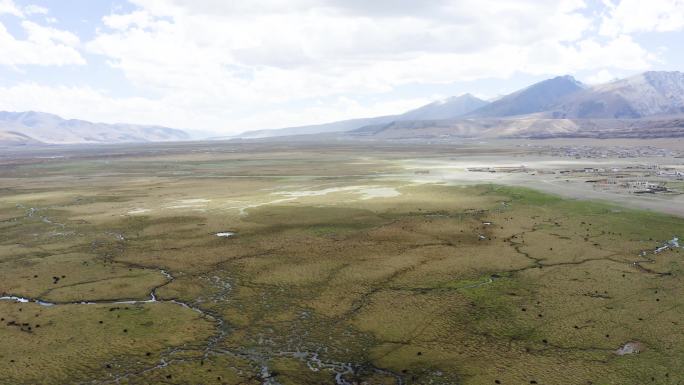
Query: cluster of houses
[636,179]
[579,152]
[632,178]
[500,169]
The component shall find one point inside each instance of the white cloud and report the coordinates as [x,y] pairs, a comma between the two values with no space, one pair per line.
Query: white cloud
[231,65]
[630,16]
[600,77]
[8,7]
[33,9]
[90,104]
[266,53]
[44,35]
[43,46]
[588,54]
[69,101]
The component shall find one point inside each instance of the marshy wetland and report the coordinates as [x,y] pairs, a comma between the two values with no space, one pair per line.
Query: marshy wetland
[255,263]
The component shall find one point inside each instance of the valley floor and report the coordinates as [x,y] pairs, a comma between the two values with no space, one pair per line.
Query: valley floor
[373,263]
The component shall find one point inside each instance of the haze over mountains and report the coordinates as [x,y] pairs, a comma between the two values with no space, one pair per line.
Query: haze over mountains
[450,108]
[25,128]
[644,105]
[650,104]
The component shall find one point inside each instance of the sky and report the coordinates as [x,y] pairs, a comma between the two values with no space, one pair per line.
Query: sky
[231,66]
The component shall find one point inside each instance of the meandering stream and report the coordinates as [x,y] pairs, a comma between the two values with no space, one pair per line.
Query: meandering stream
[340,370]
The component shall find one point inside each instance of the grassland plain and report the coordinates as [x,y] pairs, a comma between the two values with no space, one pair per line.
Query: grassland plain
[338,270]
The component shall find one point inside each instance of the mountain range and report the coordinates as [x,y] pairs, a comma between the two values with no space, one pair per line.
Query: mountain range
[650,104]
[33,128]
[645,105]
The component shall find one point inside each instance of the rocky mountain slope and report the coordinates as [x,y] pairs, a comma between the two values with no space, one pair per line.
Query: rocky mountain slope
[642,106]
[643,95]
[535,98]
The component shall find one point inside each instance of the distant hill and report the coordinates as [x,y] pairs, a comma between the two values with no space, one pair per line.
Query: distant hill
[535,98]
[343,125]
[644,95]
[449,108]
[22,128]
[538,128]
[10,138]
